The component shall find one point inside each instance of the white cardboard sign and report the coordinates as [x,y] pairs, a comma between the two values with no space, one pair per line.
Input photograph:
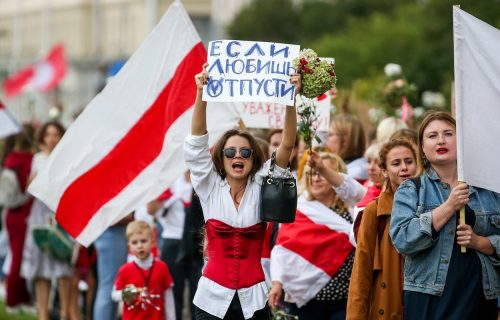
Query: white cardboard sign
[242,71]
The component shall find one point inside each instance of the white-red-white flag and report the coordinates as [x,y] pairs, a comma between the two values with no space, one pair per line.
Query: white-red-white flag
[8,124]
[477,97]
[42,76]
[310,251]
[125,149]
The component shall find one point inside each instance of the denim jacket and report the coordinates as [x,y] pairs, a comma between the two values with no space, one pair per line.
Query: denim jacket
[427,253]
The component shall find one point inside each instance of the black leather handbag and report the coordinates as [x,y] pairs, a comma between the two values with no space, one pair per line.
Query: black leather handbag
[278,196]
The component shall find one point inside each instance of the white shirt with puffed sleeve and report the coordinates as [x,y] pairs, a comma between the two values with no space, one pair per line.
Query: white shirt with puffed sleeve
[217,203]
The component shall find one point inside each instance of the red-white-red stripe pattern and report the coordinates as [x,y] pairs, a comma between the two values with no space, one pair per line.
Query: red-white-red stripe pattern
[310,251]
[125,149]
[43,75]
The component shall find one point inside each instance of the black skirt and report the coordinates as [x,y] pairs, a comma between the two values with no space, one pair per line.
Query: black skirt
[463,295]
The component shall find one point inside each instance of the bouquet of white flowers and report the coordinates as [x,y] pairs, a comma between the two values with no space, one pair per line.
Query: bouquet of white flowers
[318,76]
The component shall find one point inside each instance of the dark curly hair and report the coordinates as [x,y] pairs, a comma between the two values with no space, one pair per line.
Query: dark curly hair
[43,130]
[388,146]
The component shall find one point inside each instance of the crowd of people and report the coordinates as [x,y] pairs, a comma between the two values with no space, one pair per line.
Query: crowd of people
[376,234]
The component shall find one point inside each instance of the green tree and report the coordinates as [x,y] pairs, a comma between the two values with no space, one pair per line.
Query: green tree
[364,35]
[368,45]
[264,20]
[300,21]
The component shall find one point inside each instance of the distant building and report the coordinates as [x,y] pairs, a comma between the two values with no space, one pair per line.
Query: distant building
[95,33]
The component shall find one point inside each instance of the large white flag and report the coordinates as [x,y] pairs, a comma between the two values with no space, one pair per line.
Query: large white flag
[477,89]
[126,147]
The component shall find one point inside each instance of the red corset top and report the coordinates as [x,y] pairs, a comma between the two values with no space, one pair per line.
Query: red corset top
[234,254]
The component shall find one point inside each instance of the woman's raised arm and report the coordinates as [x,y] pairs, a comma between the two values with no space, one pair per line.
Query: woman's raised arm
[290,129]
[199,123]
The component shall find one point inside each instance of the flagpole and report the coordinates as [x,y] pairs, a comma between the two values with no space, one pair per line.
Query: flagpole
[458,117]
[96,27]
[463,249]
[152,11]
[17,38]
[46,27]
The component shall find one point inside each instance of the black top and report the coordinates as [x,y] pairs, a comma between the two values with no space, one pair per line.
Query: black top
[463,296]
[337,288]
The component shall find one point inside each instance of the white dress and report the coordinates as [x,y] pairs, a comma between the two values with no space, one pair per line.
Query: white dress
[37,264]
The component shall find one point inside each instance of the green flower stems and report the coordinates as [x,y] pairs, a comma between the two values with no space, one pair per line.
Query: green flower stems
[306,124]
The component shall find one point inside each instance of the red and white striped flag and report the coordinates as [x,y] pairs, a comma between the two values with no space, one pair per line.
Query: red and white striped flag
[43,75]
[8,124]
[310,251]
[125,149]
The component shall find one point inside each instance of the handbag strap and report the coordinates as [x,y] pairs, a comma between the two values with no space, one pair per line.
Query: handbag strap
[273,162]
[271,167]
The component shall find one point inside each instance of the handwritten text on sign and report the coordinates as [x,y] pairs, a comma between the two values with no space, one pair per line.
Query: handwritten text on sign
[250,71]
[272,115]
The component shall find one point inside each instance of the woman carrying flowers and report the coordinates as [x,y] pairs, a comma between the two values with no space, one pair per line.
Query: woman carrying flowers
[313,256]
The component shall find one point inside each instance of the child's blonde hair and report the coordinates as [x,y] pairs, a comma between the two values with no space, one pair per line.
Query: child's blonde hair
[138,227]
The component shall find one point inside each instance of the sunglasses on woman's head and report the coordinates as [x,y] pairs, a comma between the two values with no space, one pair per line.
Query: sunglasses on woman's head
[230,152]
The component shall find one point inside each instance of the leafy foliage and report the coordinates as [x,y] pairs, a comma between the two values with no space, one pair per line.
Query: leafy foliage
[318,76]
[280,314]
[264,20]
[364,35]
[307,122]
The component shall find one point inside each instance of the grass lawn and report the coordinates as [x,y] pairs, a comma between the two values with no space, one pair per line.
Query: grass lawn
[6,316]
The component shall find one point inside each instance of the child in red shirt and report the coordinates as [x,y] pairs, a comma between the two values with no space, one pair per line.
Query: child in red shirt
[144,284]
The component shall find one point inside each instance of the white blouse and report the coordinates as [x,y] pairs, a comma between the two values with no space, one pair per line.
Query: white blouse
[39,162]
[173,221]
[216,202]
[350,191]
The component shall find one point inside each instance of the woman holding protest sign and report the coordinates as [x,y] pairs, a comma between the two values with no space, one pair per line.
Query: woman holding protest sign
[440,282]
[228,185]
